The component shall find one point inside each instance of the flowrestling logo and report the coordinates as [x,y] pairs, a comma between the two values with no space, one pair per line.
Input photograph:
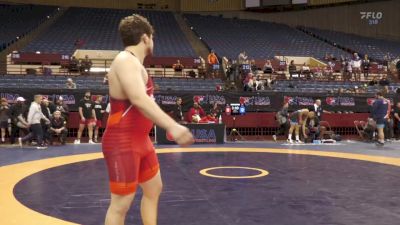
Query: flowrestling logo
[340,101]
[373,18]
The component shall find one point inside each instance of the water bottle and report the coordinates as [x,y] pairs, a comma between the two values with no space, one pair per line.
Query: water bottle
[220,119]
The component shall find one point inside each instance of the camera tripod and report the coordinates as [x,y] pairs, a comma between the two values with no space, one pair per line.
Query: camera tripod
[235,132]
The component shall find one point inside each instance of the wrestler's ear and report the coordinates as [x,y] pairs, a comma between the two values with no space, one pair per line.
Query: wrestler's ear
[145,38]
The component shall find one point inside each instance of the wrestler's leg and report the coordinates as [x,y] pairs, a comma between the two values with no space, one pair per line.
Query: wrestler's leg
[149,204]
[118,208]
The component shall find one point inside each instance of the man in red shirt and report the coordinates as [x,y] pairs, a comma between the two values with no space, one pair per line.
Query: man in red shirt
[129,153]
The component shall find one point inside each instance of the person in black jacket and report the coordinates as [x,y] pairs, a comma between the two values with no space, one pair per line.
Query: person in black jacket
[177,112]
[282,119]
[58,128]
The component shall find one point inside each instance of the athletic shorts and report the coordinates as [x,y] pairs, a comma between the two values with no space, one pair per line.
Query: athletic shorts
[87,122]
[129,164]
[380,122]
[4,124]
[294,122]
[99,123]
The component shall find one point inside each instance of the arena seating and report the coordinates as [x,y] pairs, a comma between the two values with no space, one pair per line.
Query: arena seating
[324,86]
[375,48]
[260,40]
[86,28]
[18,20]
[96,83]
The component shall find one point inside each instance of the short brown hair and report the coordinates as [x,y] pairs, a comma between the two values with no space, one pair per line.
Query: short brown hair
[132,28]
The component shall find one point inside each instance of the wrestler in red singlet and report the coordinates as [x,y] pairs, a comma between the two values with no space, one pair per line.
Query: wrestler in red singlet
[127,147]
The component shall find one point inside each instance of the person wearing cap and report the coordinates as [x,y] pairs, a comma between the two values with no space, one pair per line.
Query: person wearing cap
[35,116]
[18,113]
[62,107]
[5,119]
[70,84]
[87,117]
[196,112]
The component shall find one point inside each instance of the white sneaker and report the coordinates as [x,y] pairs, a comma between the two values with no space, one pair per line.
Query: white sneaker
[41,147]
[299,142]
[274,137]
[20,142]
[91,142]
[77,142]
[290,141]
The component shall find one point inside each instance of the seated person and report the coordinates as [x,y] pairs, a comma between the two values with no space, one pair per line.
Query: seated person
[86,64]
[196,113]
[58,128]
[73,65]
[310,127]
[178,67]
[70,84]
[268,67]
[305,70]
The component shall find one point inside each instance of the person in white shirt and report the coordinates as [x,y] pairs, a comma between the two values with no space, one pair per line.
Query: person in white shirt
[35,116]
[356,64]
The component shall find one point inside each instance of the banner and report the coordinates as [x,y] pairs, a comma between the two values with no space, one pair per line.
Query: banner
[202,133]
[254,101]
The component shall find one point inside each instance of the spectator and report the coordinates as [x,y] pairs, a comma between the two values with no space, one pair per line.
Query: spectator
[385,90]
[356,64]
[19,114]
[365,66]
[253,66]
[177,112]
[373,82]
[292,69]
[70,84]
[305,70]
[259,85]
[5,119]
[196,112]
[384,81]
[397,119]
[225,66]
[268,67]
[35,116]
[248,83]
[213,63]
[58,128]
[73,65]
[348,71]
[242,58]
[62,107]
[87,117]
[99,109]
[202,67]
[178,68]
[328,72]
[86,64]
[386,61]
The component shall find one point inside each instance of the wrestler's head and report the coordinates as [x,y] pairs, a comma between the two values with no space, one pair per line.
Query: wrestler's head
[136,30]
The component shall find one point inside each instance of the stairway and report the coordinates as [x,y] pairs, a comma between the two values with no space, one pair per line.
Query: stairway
[199,47]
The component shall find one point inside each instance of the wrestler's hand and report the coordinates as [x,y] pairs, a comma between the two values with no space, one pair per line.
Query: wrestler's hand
[181,135]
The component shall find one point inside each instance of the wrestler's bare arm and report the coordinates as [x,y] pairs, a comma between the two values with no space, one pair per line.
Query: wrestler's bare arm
[129,74]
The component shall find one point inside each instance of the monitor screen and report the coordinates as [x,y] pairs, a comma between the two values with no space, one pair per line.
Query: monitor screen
[238,109]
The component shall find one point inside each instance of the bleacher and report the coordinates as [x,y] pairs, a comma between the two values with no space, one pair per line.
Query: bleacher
[19,20]
[97,29]
[326,86]
[375,48]
[96,83]
[260,40]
